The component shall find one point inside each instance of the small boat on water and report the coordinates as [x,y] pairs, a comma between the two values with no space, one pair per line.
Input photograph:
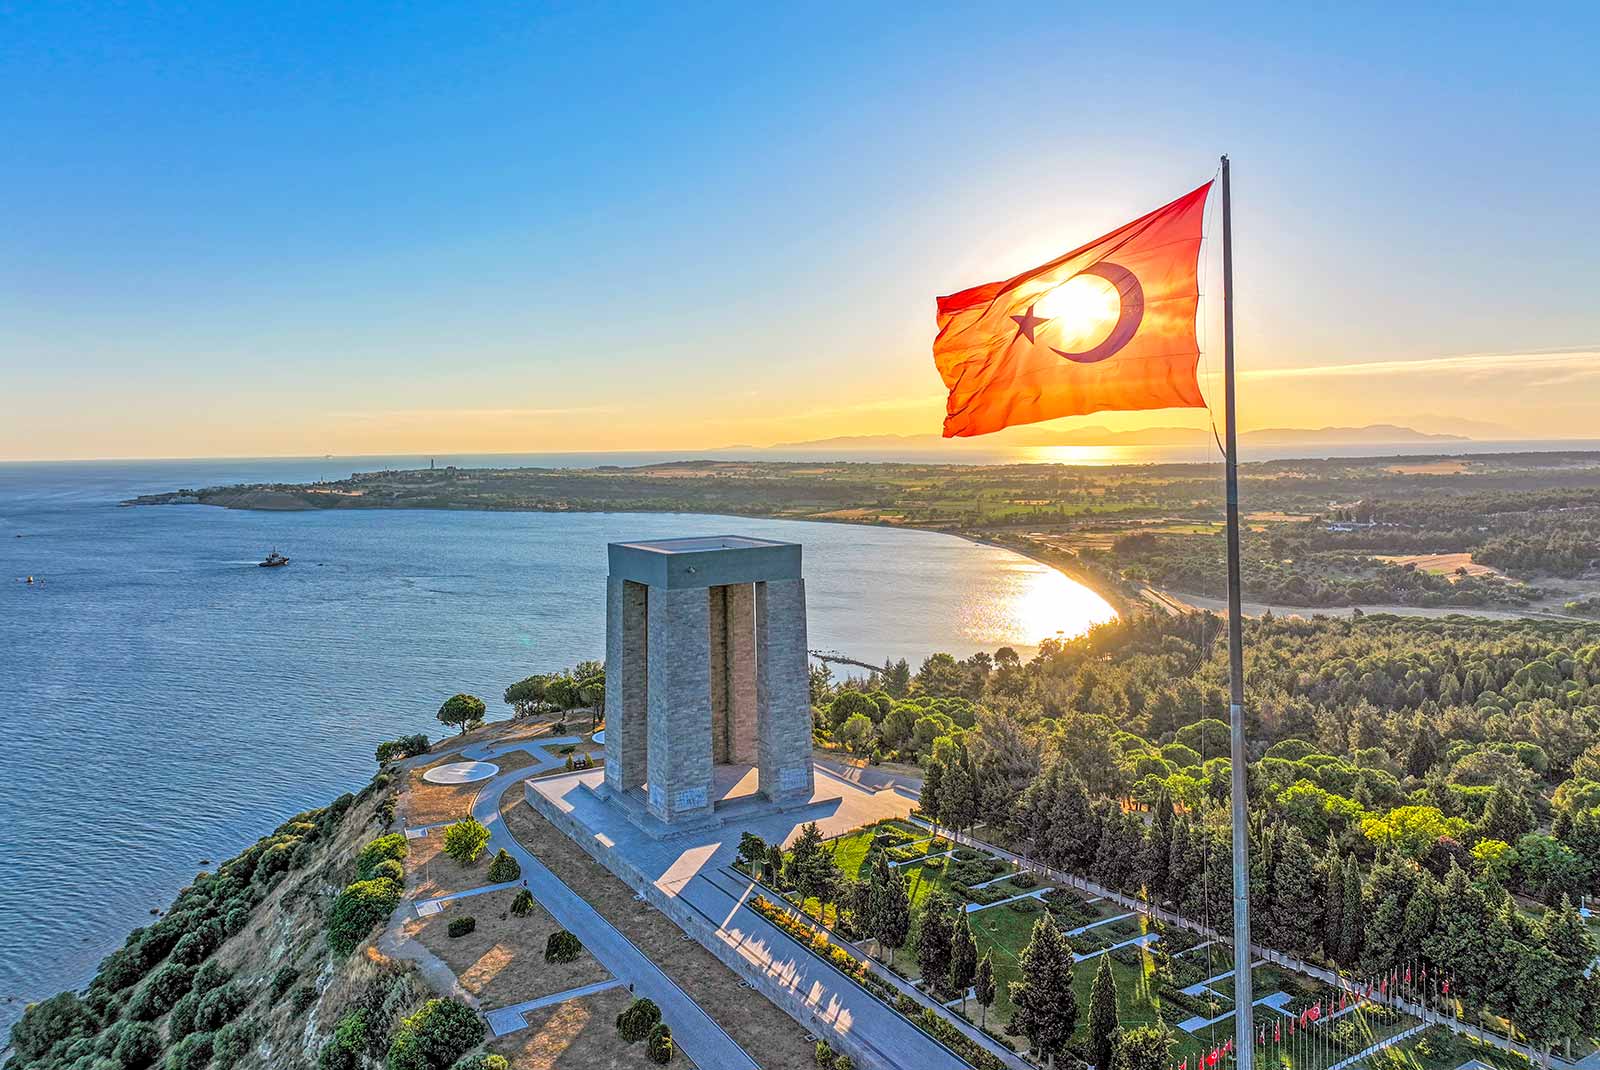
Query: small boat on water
[274,560]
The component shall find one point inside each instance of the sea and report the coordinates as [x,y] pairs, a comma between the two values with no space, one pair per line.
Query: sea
[167,702]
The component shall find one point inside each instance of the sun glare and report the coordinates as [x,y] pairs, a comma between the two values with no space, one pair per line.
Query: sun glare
[1083,309]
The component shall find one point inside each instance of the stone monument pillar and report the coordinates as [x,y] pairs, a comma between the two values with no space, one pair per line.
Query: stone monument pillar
[706,666]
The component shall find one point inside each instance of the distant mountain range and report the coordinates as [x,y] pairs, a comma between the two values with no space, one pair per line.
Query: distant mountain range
[1371,435]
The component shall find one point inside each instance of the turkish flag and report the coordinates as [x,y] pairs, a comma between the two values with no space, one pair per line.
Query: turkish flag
[1109,325]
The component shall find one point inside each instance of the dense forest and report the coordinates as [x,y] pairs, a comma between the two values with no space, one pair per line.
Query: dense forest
[1424,794]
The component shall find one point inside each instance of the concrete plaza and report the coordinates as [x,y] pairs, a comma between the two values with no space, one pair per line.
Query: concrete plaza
[689,876]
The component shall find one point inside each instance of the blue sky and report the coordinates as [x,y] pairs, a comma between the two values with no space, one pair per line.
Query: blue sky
[287,229]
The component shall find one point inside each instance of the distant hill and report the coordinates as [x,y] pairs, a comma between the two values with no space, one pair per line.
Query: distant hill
[1372,434]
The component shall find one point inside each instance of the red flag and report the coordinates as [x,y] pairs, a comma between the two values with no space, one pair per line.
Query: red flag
[1408,975]
[1277,1032]
[1109,325]
[1341,998]
[1447,988]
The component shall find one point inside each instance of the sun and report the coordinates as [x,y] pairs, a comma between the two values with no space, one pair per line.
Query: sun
[1083,310]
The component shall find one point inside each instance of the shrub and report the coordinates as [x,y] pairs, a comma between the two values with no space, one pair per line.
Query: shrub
[844,1062]
[236,919]
[503,868]
[462,926]
[139,1046]
[304,997]
[465,840]
[163,988]
[233,1042]
[562,947]
[180,1023]
[390,869]
[343,1050]
[358,909]
[193,1052]
[209,976]
[824,1055]
[483,1061]
[391,846]
[523,904]
[221,1006]
[1024,880]
[635,1023]
[392,750]
[435,1036]
[658,1045]
[1025,906]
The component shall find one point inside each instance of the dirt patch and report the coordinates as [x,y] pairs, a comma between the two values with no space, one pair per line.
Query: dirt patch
[1442,564]
[506,731]
[502,960]
[430,872]
[1429,468]
[428,804]
[580,1034]
[754,1022]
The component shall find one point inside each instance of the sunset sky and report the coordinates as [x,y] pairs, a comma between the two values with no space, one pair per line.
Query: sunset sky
[477,228]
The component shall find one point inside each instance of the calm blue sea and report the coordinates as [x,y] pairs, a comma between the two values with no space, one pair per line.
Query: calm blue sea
[166,701]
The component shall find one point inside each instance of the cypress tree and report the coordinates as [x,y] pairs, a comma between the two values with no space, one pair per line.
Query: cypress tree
[1296,890]
[1046,1009]
[892,915]
[1102,1015]
[1354,940]
[929,800]
[933,940]
[963,966]
[984,986]
[1333,905]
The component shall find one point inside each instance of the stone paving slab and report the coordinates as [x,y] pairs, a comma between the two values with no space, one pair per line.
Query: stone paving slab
[511,1019]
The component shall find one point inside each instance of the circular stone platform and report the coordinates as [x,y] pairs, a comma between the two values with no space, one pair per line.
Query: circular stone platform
[460,772]
[599,737]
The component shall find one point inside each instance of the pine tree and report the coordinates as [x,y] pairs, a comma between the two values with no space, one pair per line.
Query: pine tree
[1072,847]
[1183,865]
[963,966]
[1423,750]
[1508,816]
[1046,1009]
[984,986]
[1102,1015]
[1421,916]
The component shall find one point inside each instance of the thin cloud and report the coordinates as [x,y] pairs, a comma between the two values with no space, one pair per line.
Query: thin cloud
[473,414]
[1579,362]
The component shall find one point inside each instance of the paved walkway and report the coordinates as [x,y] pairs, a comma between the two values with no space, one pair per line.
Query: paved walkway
[1379,1046]
[702,1040]
[1276,1001]
[436,904]
[1037,893]
[1142,941]
[510,1019]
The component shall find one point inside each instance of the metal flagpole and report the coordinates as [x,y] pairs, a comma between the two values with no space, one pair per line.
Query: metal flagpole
[1243,1018]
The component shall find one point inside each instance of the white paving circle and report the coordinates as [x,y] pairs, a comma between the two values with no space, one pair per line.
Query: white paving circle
[460,772]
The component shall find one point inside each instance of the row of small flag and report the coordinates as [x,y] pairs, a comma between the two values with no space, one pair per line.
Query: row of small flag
[1399,983]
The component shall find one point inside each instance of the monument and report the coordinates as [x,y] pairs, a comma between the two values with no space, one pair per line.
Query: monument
[707,681]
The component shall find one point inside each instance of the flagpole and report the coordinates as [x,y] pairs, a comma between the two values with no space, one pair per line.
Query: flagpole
[1243,1017]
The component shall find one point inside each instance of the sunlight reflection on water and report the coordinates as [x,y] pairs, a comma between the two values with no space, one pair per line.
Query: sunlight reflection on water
[1038,603]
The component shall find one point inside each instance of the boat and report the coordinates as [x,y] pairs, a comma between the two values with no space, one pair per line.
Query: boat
[274,560]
